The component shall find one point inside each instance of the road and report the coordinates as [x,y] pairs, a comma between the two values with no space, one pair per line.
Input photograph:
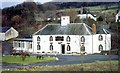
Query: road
[68,59]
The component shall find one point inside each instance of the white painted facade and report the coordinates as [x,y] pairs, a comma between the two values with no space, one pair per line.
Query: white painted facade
[118,17]
[10,33]
[65,20]
[91,44]
[23,44]
[84,16]
[2,36]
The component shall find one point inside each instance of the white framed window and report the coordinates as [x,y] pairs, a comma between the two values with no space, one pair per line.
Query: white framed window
[38,47]
[82,39]
[59,38]
[82,48]
[38,38]
[100,47]
[68,48]
[51,38]
[31,45]
[22,44]
[68,39]
[19,44]
[51,47]
[100,38]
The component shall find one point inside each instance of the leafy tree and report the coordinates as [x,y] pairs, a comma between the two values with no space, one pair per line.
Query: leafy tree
[100,18]
[16,19]
[48,6]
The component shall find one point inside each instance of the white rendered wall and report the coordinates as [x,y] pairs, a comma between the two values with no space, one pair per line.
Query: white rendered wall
[75,43]
[25,48]
[2,36]
[84,16]
[65,20]
[11,33]
[117,18]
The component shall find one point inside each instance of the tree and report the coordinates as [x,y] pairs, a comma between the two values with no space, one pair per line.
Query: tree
[72,13]
[30,8]
[100,18]
[48,6]
[16,19]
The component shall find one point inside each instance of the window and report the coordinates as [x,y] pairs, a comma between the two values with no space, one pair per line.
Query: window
[68,39]
[38,38]
[15,43]
[51,47]
[118,17]
[82,39]
[59,38]
[100,47]
[22,44]
[19,44]
[31,45]
[100,38]
[68,48]
[82,48]
[38,47]
[51,38]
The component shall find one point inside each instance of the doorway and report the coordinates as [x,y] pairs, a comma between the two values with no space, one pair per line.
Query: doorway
[63,48]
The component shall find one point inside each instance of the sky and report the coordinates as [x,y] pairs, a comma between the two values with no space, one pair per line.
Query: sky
[8,3]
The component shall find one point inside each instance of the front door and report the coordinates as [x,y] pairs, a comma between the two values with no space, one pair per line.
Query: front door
[63,49]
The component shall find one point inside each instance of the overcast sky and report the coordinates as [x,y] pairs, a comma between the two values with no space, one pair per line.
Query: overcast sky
[8,3]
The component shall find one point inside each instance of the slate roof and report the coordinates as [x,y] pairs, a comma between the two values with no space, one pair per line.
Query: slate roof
[4,29]
[71,29]
[24,39]
[103,29]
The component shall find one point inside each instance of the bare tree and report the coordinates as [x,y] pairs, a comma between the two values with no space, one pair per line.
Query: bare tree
[72,13]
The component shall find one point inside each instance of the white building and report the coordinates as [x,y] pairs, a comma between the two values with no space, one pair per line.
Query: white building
[68,38]
[84,16]
[24,44]
[7,33]
[118,17]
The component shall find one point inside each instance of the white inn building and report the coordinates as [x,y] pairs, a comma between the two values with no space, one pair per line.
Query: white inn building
[68,38]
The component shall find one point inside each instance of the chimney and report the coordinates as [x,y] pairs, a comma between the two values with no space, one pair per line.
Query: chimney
[94,28]
[65,20]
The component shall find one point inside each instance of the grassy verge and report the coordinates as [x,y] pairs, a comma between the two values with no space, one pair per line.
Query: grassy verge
[28,60]
[95,66]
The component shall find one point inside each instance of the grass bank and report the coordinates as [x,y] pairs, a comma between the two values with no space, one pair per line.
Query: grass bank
[28,60]
[95,66]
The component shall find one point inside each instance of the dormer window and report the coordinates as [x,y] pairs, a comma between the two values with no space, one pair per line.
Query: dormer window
[51,38]
[68,39]
[82,39]
[100,47]
[38,38]
[100,38]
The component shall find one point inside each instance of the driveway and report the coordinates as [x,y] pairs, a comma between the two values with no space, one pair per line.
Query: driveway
[69,59]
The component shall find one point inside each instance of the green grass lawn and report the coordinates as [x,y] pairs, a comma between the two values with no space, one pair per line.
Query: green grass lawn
[95,66]
[28,60]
